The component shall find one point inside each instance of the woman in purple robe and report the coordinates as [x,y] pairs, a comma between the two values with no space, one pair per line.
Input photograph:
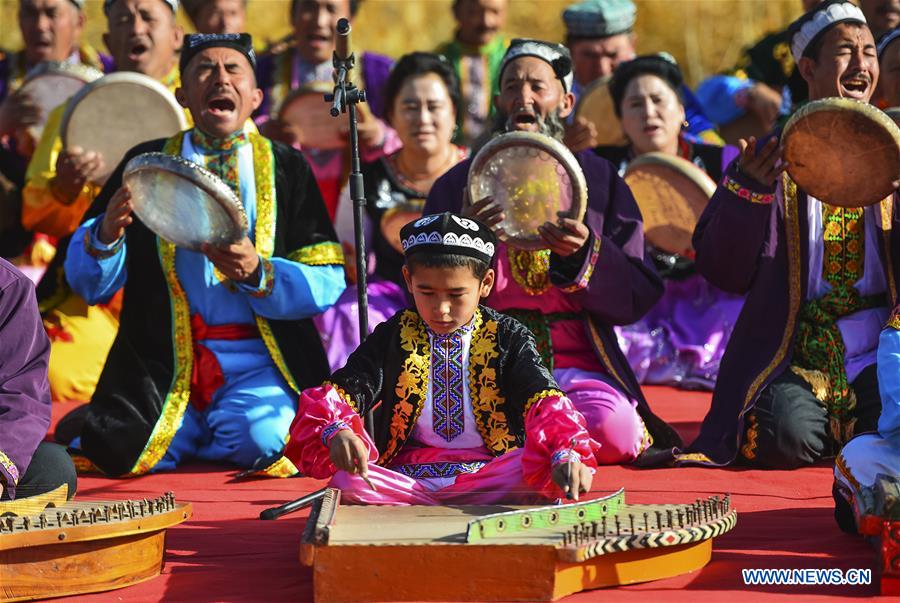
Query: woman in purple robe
[422,100]
[681,340]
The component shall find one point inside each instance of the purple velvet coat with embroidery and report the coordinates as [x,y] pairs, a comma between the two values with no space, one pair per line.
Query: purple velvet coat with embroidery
[744,245]
[24,389]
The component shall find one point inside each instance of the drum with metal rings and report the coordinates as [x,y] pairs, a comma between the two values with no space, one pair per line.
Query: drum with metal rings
[534,178]
[183,202]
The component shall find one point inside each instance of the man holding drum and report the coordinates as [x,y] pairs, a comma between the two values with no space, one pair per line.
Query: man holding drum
[143,37]
[306,64]
[51,30]
[592,274]
[213,347]
[798,378]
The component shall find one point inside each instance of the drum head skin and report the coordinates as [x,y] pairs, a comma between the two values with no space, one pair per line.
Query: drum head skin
[596,106]
[672,193]
[533,177]
[117,112]
[842,151]
[52,83]
[183,202]
[306,109]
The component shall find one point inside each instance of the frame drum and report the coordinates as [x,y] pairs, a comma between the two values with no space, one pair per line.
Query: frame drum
[842,151]
[120,110]
[306,109]
[183,202]
[596,106]
[671,193]
[534,178]
[51,83]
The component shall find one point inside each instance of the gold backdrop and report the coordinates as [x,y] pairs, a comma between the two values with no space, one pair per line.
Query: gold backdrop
[705,36]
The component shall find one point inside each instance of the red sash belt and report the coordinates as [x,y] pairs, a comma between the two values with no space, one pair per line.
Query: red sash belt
[206,376]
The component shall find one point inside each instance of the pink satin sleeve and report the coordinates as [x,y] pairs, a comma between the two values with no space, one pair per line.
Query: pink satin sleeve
[322,410]
[554,430]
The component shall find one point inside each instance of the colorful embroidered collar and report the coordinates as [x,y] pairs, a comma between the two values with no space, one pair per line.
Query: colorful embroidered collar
[211,146]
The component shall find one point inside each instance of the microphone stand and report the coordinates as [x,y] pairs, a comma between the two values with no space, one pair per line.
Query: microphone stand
[344,100]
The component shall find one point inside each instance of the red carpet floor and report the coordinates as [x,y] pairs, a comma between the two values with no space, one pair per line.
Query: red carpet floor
[226,554]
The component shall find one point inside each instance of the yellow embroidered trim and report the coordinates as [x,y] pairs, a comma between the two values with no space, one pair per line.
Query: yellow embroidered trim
[343,394]
[530,269]
[541,395]
[792,235]
[817,380]
[486,396]
[283,467]
[887,220]
[748,450]
[266,211]
[585,279]
[10,467]
[745,193]
[266,217]
[412,382]
[269,279]
[841,464]
[843,237]
[182,344]
[698,457]
[604,357]
[647,440]
[327,253]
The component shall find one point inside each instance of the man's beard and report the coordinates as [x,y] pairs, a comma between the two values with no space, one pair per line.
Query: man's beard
[551,126]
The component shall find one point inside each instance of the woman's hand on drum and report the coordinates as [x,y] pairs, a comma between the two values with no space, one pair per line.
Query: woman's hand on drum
[764,165]
[238,261]
[573,478]
[566,237]
[117,217]
[349,453]
[485,211]
[580,135]
[74,169]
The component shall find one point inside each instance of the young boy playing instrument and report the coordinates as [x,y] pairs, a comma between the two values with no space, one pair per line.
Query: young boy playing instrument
[464,410]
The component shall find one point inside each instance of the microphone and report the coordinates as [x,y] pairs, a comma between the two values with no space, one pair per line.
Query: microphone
[342,49]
